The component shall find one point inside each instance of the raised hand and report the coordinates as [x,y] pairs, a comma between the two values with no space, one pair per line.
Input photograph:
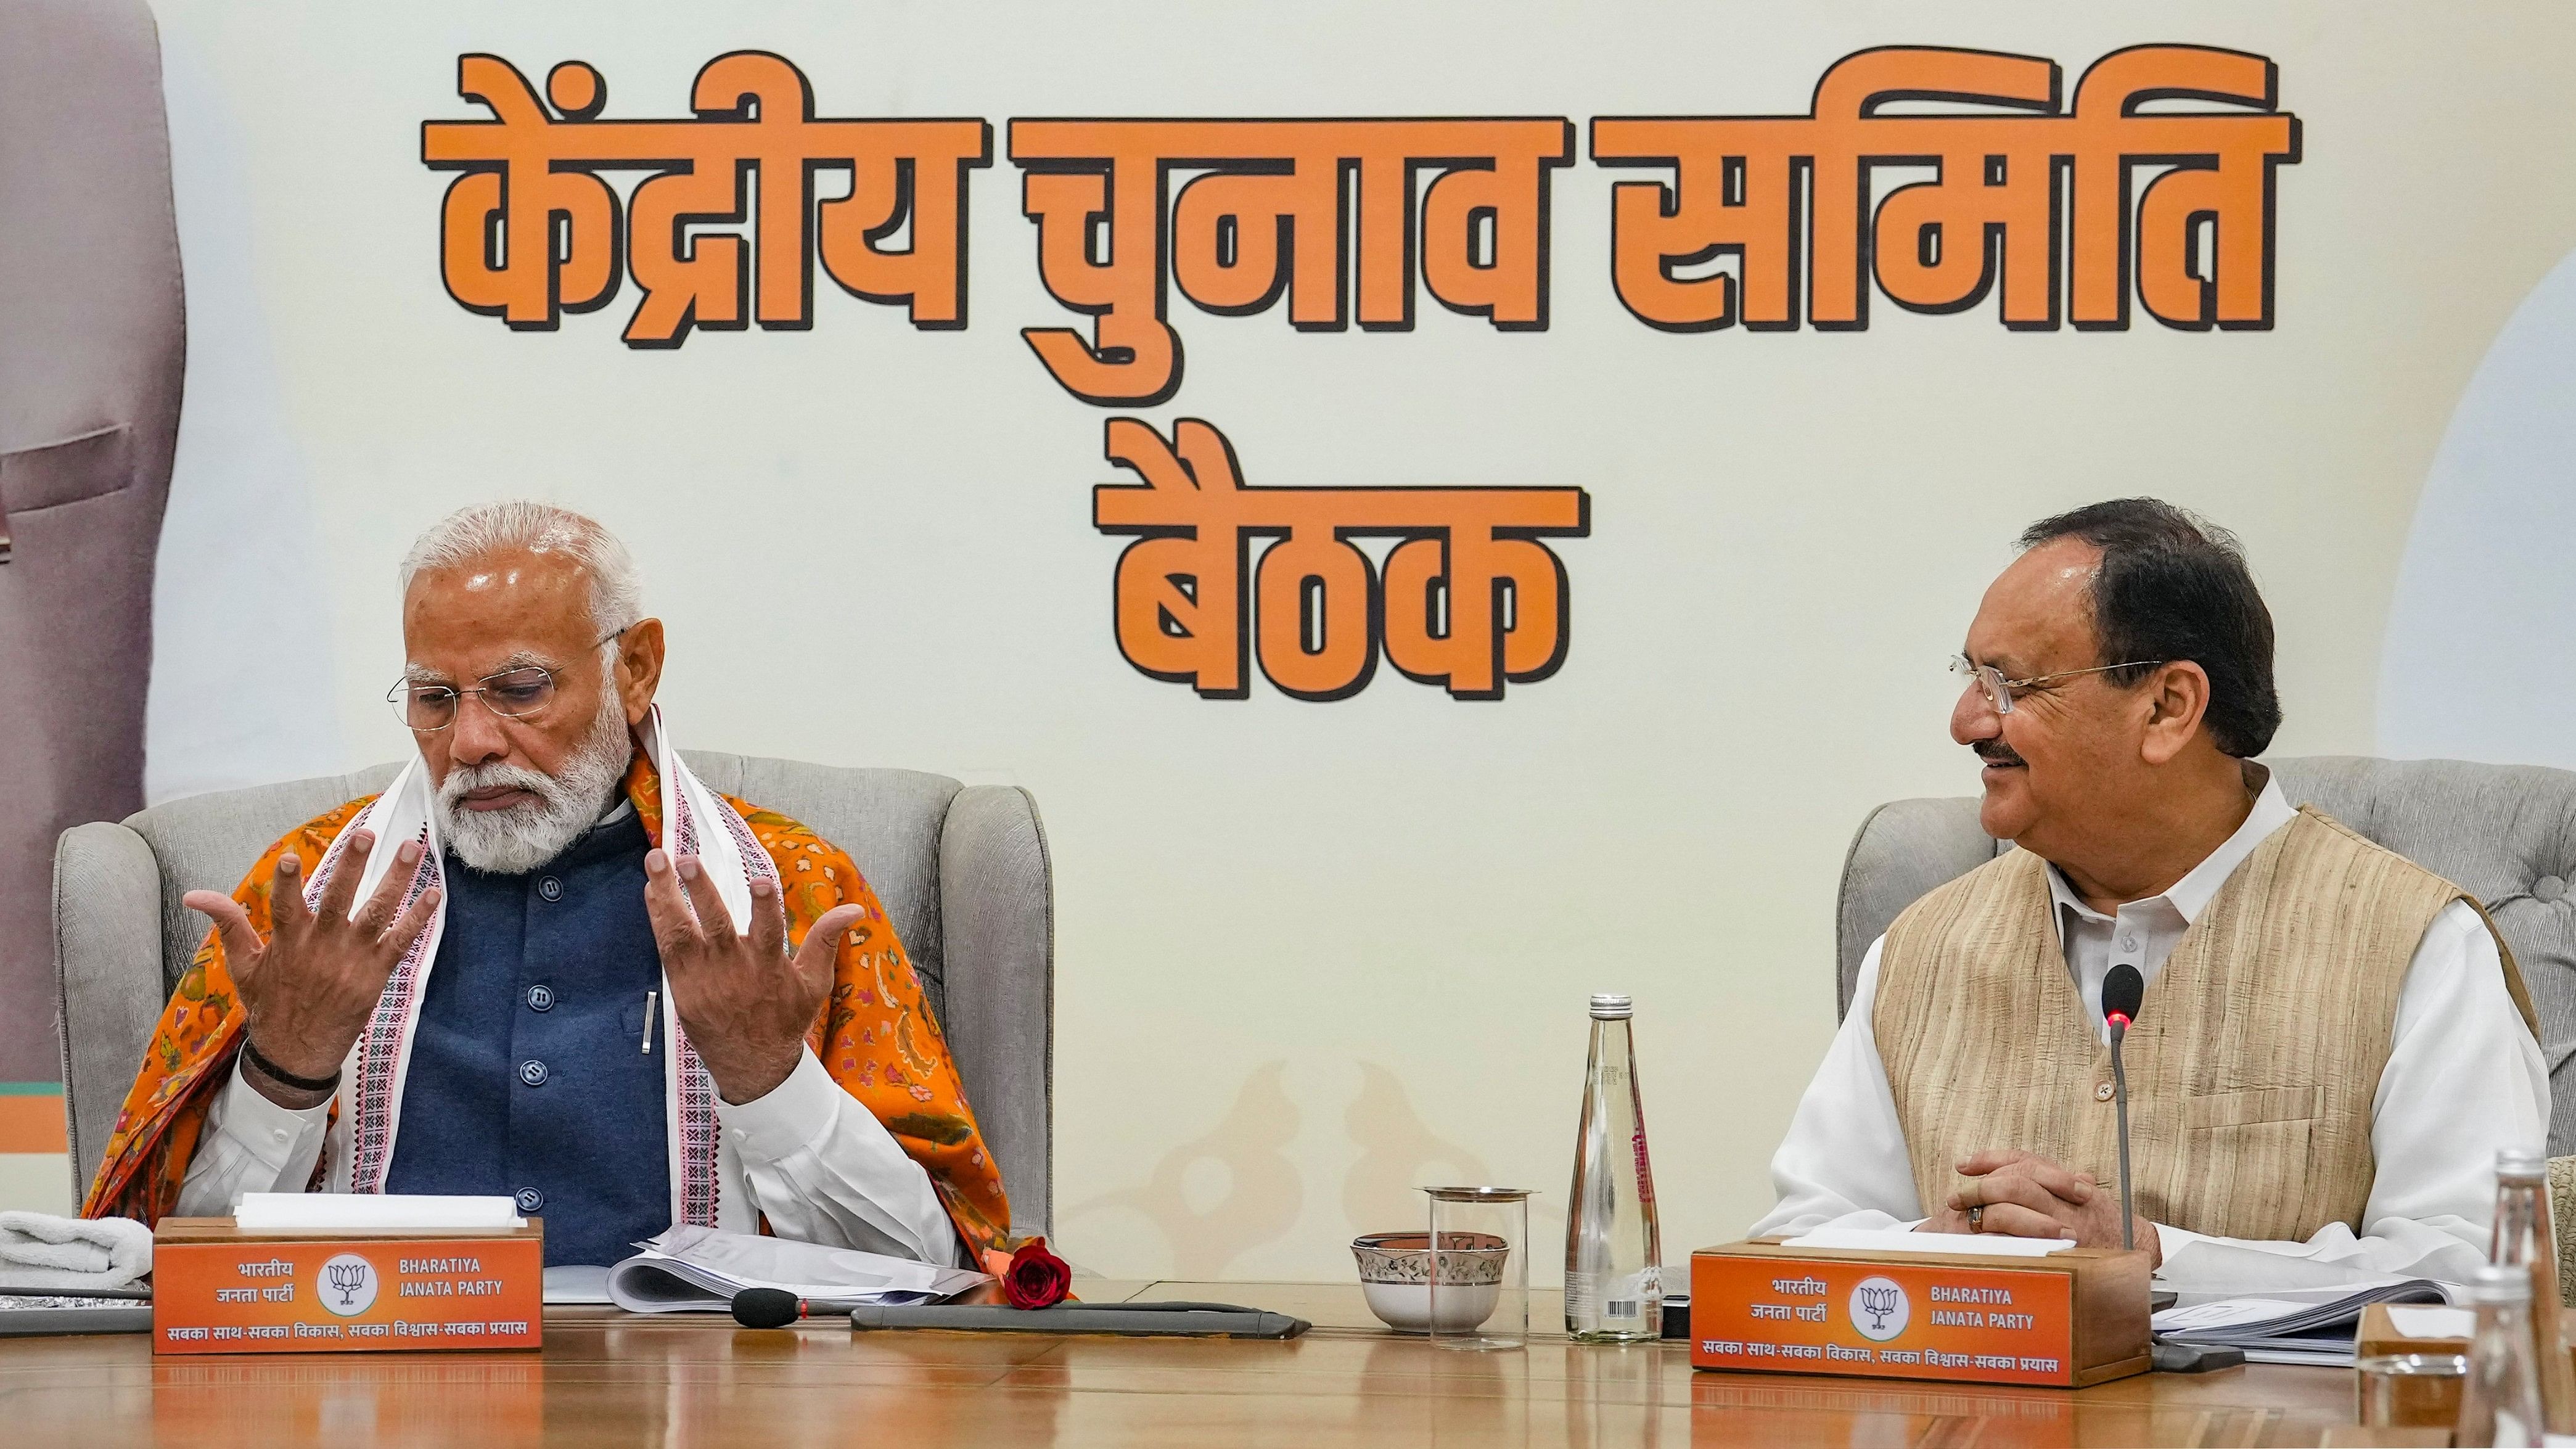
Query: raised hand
[308,989]
[745,1002]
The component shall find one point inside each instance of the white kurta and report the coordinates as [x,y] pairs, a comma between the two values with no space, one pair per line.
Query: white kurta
[2464,1079]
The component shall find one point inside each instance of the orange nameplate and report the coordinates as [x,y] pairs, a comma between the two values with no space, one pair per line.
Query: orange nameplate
[216,1289]
[2066,1320]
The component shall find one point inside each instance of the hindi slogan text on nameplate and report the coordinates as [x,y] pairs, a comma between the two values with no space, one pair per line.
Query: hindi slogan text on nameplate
[216,1290]
[1888,1318]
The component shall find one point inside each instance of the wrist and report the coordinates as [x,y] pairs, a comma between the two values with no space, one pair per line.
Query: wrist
[282,1085]
[739,1082]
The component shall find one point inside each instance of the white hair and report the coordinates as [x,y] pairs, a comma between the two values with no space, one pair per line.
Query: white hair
[616,594]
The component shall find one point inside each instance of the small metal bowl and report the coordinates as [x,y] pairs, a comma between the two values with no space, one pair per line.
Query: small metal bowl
[1395,1277]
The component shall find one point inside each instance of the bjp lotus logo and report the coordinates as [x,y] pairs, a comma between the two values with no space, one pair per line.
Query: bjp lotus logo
[348,1286]
[1880,1309]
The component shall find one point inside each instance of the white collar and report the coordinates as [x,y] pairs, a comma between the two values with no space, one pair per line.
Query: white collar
[2191,895]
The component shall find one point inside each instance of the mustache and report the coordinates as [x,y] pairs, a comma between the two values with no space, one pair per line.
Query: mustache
[475,777]
[1998,754]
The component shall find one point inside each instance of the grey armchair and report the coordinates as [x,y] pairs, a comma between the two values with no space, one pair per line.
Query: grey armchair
[2504,833]
[962,871]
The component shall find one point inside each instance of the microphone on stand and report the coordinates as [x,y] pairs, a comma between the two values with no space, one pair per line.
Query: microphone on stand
[2122,991]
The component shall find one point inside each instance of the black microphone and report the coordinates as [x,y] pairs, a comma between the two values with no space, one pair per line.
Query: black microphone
[2122,992]
[777,1308]
[768,1308]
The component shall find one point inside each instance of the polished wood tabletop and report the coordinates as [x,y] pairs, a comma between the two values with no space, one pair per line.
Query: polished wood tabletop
[689,1380]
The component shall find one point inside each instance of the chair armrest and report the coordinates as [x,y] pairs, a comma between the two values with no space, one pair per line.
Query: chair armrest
[107,970]
[997,928]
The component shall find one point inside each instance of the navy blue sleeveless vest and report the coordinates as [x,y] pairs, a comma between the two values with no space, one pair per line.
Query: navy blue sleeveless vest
[528,1077]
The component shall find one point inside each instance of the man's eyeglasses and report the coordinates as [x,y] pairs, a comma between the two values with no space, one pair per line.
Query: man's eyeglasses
[2000,691]
[521,693]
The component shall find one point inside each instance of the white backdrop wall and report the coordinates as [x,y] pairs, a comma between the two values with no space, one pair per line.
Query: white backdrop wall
[1312,955]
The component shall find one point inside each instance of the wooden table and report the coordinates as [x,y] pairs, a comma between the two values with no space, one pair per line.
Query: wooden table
[697,1380]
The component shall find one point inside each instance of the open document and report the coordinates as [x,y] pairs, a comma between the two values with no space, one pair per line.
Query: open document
[700,1269]
[2297,1325]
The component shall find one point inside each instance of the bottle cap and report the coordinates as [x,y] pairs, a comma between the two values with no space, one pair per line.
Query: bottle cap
[1612,1006]
[2491,1284]
[2521,1164]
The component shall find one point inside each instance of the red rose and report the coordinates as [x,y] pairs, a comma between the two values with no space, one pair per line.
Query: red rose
[1035,1277]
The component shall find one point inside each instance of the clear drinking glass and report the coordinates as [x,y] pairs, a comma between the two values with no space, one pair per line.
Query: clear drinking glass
[1479,1267]
[2410,1390]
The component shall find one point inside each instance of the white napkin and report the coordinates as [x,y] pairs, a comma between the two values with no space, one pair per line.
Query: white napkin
[39,1250]
[1906,1240]
[370,1212]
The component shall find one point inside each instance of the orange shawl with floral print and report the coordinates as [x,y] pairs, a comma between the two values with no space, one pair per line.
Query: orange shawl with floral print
[876,1035]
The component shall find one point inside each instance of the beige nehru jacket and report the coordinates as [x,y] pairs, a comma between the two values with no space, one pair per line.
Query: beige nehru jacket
[2253,1062]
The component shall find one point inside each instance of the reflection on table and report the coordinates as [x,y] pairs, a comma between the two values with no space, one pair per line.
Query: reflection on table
[693,1381]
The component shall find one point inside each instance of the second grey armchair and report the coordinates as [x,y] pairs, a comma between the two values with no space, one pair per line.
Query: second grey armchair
[2504,833]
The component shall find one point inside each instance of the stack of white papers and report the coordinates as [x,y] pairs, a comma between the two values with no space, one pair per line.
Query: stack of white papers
[700,1269]
[347,1212]
[2311,1326]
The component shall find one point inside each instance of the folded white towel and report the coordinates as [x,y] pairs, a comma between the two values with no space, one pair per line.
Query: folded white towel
[39,1250]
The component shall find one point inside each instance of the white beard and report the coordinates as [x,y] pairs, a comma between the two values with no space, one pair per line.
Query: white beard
[519,838]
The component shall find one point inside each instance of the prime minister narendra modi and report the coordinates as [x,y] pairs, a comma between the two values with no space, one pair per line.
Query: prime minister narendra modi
[549,963]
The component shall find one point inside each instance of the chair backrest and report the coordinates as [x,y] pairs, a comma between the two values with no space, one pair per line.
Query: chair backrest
[2504,833]
[963,874]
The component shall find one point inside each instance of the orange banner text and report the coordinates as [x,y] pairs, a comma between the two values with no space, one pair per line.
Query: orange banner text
[1468,597]
[1273,206]
[1727,238]
[532,228]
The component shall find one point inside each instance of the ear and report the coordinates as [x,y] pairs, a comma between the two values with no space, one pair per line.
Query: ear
[2177,696]
[639,668]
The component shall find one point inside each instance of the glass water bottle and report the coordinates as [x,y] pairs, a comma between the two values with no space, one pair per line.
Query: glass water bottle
[2525,1239]
[2500,1402]
[1614,1276]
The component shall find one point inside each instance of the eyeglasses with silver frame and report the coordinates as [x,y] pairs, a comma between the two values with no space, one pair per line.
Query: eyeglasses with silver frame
[2000,691]
[520,693]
